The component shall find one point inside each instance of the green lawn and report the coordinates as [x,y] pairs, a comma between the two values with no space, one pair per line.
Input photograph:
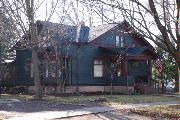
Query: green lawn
[112,99]
[162,111]
[15,96]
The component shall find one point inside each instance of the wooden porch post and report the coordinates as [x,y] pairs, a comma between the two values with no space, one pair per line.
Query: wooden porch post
[149,72]
[127,74]
[162,82]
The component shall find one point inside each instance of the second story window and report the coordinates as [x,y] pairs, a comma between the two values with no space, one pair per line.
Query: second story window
[120,41]
[117,41]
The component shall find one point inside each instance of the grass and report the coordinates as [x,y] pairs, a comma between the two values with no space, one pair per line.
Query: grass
[15,96]
[162,111]
[112,99]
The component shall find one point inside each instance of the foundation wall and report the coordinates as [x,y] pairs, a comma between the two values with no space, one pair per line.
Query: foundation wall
[83,89]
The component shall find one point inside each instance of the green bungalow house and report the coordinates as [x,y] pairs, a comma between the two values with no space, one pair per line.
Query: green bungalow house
[111,57]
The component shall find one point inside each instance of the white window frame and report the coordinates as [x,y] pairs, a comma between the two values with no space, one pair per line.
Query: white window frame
[49,69]
[98,64]
[120,41]
[117,41]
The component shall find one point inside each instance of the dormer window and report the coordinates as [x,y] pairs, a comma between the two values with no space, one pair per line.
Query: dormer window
[120,41]
[117,41]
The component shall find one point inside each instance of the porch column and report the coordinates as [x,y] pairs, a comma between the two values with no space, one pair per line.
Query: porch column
[149,71]
[126,73]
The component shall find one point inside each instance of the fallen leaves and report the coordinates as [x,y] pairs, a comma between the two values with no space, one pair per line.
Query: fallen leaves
[161,111]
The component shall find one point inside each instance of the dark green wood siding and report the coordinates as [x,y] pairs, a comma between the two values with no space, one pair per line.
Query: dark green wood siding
[23,76]
[81,63]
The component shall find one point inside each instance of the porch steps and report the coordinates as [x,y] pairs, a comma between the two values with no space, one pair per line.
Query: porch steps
[149,89]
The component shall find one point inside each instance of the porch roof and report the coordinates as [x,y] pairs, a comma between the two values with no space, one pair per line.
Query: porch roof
[130,51]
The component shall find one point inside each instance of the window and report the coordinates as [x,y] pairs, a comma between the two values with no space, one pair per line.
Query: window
[98,68]
[117,41]
[119,70]
[120,41]
[51,69]
[28,67]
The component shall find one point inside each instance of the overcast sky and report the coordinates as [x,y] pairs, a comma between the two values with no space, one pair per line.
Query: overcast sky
[72,9]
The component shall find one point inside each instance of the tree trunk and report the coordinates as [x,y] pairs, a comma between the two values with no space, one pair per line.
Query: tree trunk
[37,80]
[176,89]
[112,77]
[34,46]
[162,87]
[178,44]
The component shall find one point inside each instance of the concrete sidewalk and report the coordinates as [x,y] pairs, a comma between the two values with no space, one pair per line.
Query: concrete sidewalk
[48,115]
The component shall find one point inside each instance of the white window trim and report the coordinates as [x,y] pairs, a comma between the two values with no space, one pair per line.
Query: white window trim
[122,41]
[95,67]
[117,41]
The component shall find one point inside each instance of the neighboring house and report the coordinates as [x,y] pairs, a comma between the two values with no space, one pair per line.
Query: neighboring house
[7,75]
[77,59]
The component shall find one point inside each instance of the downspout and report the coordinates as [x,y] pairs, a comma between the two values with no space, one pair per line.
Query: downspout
[71,73]
[77,80]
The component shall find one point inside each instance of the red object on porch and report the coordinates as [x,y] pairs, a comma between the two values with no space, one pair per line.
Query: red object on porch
[159,65]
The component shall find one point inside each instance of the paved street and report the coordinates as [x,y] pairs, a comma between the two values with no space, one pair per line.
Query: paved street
[96,113]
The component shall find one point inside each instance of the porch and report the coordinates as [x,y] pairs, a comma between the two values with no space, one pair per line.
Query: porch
[133,66]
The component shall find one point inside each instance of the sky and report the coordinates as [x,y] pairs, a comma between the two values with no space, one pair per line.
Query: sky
[69,12]
[81,10]
[72,9]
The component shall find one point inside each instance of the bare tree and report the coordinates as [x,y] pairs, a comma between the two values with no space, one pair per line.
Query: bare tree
[114,65]
[150,18]
[22,13]
[8,37]
[37,34]
[178,37]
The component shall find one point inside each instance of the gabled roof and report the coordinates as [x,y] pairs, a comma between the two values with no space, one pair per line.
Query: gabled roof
[124,26]
[56,29]
[68,30]
[61,31]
